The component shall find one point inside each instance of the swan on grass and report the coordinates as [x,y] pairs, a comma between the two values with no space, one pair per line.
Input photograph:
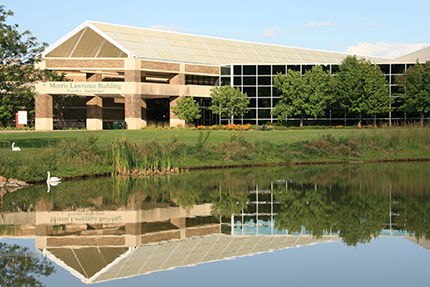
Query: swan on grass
[15,148]
[52,180]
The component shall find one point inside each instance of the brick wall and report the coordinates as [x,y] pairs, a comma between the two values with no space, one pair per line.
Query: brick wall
[84,63]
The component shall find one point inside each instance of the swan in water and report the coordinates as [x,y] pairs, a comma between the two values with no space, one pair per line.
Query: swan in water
[15,148]
[49,184]
[52,180]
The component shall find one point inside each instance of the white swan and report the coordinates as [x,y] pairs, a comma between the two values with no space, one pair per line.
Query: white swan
[52,180]
[49,184]
[15,148]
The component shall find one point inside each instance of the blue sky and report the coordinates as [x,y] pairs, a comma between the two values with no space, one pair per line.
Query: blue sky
[388,28]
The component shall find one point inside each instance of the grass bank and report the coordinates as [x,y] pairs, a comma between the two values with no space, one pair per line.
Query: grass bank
[77,153]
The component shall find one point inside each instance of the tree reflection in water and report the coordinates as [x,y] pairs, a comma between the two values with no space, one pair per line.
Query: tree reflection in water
[19,268]
[356,202]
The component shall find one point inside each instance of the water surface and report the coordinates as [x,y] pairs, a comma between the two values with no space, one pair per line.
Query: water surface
[331,225]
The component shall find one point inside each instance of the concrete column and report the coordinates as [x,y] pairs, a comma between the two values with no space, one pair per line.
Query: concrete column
[181,224]
[179,79]
[133,101]
[133,111]
[44,112]
[44,229]
[94,113]
[174,120]
[144,114]
[94,77]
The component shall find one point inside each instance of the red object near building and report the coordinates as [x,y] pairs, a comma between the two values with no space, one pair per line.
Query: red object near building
[16,121]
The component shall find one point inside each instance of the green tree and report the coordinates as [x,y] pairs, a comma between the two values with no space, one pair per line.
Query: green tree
[361,88]
[19,52]
[415,85]
[21,268]
[302,96]
[229,102]
[187,109]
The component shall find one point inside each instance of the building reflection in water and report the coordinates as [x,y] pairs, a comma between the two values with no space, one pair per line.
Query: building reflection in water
[141,238]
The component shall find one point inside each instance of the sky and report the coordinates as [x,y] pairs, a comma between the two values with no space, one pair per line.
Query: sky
[385,28]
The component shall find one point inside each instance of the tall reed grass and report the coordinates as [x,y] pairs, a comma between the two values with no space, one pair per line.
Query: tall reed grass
[149,158]
[126,157]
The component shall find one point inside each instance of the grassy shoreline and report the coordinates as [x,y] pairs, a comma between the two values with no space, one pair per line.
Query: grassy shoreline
[72,154]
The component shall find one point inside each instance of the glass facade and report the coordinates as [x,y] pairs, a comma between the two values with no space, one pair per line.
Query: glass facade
[257,82]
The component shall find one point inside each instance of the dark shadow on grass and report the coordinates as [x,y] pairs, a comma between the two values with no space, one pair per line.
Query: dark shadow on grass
[31,143]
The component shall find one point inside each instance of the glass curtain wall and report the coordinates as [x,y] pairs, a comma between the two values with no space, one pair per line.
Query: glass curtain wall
[257,82]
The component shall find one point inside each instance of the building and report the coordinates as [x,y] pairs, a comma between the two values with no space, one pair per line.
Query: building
[134,76]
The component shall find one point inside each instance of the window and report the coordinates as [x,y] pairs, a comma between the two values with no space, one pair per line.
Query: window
[200,80]
[237,70]
[397,68]
[334,69]
[237,81]
[252,103]
[276,92]
[306,68]
[385,68]
[250,114]
[249,81]
[264,114]
[279,69]
[264,81]
[225,81]
[264,91]
[249,70]
[250,91]
[264,70]
[295,68]
[264,103]
[225,70]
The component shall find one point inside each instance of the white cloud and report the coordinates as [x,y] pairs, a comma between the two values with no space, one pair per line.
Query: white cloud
[269,32]
[169,28]
[320,24]
[369,24]
[383,49]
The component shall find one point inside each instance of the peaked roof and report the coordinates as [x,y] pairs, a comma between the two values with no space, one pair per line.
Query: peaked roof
[95,264]
[422,56]
[102,40]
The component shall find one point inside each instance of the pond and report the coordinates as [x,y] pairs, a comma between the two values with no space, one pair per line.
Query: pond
[327,225]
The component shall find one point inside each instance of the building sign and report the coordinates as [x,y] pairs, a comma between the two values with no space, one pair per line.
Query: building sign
[22,117]
[61,88]
[84,217]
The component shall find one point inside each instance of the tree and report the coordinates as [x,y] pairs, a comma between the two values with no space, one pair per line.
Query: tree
[187,109]
[415,85]
[361,88]
[21,268]
[229,102]
[302,96]
[19,52]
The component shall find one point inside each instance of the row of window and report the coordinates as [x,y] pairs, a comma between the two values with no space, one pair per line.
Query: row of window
[268,70]
[268,80]
[201,80]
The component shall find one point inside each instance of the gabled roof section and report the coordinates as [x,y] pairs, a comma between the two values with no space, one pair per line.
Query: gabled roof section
[422,56]
[95,39]
[86,41]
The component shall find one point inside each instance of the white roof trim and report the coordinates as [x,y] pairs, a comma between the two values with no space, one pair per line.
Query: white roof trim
[86,24]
